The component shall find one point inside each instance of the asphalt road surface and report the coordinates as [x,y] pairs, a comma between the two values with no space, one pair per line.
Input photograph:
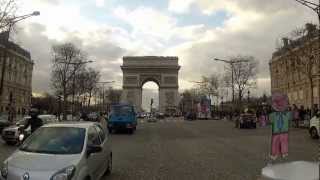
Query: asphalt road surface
[174,149]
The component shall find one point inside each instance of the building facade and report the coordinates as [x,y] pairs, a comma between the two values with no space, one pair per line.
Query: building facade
[16,69]
[288,79]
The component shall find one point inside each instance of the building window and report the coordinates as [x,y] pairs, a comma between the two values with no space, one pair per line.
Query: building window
[315,92]
[301,94]
[295,95]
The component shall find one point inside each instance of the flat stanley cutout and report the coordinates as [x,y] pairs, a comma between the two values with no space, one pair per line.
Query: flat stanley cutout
[280,119]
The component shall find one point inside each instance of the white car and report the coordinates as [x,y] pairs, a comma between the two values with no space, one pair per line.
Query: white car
[11,134]
[314,127]
[61,151]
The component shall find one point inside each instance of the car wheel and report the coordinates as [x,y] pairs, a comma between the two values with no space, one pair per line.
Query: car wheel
[110,130]
[11,143]
[254,126]
[109,169]
[130,131]
[314,133]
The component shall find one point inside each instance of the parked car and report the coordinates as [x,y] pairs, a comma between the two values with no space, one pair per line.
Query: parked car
[314,126]
[69,150]
[190,116]
[247,120]
[160,115]
[11,134]
[152,119]
[122,117]
[3,124]
[94,116]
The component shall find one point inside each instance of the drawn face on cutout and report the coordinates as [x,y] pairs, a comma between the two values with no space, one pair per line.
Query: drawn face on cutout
[279,102]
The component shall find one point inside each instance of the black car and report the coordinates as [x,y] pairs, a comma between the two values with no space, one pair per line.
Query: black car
[190,116]
[247,121]
[3,124]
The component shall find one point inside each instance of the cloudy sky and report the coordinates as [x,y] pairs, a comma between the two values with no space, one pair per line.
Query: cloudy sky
[194,30]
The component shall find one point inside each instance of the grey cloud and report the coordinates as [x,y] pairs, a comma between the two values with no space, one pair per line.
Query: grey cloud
[40,48]
[33,39]
[258,40]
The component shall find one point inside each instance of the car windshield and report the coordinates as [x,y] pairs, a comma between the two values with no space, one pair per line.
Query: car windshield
[56,140]
[22,121]
[121,110]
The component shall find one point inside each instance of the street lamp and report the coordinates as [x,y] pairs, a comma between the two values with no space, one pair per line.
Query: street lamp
[231,63]
[9,24]
[103,83]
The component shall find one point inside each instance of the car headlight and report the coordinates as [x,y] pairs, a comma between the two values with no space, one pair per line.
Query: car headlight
[64,174]
[4,170]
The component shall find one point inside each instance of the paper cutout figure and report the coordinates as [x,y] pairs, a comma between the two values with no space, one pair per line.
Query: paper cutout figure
[280,120]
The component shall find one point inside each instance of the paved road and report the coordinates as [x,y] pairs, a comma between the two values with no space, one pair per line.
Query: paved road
[200,150]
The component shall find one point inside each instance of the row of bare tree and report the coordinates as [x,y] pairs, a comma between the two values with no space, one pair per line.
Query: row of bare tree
[216,86]
[8,10]
[71,79]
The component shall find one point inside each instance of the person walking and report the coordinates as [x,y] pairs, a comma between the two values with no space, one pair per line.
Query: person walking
[34,122]
[302,115]
[296,115]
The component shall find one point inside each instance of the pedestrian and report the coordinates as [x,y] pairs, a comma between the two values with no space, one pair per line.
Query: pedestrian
[315,110]
[263,118]
[296,115]
[102,120]
[34,122]
[302,114]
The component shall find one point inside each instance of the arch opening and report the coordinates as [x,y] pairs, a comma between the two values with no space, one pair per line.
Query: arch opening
[150,96]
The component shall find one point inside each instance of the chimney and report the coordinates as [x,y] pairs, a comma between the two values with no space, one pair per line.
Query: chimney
[285,42]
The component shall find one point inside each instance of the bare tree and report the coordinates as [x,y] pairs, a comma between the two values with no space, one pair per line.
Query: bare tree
[66,62]
[244,74]
[304,53]
[8,10]
[93,78]
[210,85]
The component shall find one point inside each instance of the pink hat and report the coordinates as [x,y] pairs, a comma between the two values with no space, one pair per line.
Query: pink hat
[279,101]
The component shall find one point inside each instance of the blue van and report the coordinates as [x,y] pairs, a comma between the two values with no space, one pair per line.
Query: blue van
[122,117]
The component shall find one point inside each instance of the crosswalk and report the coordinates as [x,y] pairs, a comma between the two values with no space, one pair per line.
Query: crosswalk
[141,121]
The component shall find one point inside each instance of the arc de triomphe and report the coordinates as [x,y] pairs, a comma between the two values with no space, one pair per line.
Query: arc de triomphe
[164,71]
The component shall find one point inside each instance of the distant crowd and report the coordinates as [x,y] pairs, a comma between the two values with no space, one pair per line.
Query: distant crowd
[299,113]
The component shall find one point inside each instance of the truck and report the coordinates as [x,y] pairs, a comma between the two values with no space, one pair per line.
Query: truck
[122,117]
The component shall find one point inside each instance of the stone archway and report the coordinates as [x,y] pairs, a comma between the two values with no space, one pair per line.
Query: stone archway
[162,70]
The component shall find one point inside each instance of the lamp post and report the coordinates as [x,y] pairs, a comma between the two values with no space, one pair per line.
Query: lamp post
[103,96]
[5,41]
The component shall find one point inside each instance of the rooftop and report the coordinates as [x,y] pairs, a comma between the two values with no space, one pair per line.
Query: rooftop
[311,34]
[75,124]
[13,46]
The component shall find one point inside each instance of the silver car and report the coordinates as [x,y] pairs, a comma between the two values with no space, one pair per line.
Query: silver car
[11,134]
[61,151]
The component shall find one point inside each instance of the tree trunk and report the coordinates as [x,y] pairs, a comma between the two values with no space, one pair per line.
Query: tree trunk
[65,104]
[89,100]
[311,94]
